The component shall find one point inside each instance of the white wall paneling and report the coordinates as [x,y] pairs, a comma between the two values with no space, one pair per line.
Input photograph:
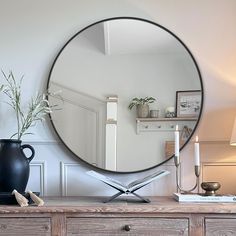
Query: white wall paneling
[45,167]
[159,187]
[37,181]
[67,171]
[83,130]
[222,172]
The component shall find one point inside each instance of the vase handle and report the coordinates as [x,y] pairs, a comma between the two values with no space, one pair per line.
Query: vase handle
[31,149]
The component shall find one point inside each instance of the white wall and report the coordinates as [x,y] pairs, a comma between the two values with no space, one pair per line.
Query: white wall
[32,33]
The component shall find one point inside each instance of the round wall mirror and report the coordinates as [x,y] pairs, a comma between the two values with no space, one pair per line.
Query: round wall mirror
[99,72]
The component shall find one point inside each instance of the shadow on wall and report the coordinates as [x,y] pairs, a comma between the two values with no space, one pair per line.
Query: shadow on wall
[217,124]
[219,108]
[219,80]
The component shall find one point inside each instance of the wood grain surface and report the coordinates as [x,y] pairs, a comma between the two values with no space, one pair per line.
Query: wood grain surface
[95,205]
[62,216]
[218,227]
[140,226]
[25,226]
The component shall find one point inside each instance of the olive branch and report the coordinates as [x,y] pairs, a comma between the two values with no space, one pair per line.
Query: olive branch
[38,106]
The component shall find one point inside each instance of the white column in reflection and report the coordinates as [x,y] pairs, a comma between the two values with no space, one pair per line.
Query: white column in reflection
[111,133]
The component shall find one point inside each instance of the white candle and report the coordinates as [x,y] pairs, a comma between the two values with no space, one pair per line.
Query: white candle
[197,152]
[176,141]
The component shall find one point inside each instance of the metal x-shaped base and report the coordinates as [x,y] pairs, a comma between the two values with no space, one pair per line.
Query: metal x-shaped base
[146,200]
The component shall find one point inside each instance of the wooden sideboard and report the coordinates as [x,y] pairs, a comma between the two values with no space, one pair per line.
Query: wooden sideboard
[89,216]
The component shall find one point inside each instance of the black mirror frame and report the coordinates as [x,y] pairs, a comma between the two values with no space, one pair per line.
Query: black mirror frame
[198,71]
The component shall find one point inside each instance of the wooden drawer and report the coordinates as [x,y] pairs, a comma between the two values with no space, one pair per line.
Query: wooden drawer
[25,226]
[219,226]
[116,226]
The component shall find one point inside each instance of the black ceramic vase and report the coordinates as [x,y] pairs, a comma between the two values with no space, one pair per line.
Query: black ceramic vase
[14,165]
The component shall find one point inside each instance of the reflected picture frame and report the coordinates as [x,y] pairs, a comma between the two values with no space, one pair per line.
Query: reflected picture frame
[188,103]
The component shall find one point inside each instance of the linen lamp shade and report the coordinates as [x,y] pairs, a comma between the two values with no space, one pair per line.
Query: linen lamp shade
[233,136]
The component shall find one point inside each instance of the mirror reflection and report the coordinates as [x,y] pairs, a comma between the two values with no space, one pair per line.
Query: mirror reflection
[105,68]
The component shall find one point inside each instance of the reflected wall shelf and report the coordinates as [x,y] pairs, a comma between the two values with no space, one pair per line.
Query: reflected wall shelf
[164,124]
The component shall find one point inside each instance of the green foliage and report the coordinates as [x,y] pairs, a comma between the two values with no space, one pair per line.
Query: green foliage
[141,101]
[38,106]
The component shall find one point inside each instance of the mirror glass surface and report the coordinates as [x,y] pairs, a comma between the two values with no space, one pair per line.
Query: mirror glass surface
[96,75]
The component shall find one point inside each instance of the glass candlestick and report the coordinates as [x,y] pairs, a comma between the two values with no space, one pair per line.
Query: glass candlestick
[197,174]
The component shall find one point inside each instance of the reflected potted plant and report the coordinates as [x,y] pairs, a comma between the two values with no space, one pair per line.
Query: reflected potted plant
[142,106]
[14,164]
